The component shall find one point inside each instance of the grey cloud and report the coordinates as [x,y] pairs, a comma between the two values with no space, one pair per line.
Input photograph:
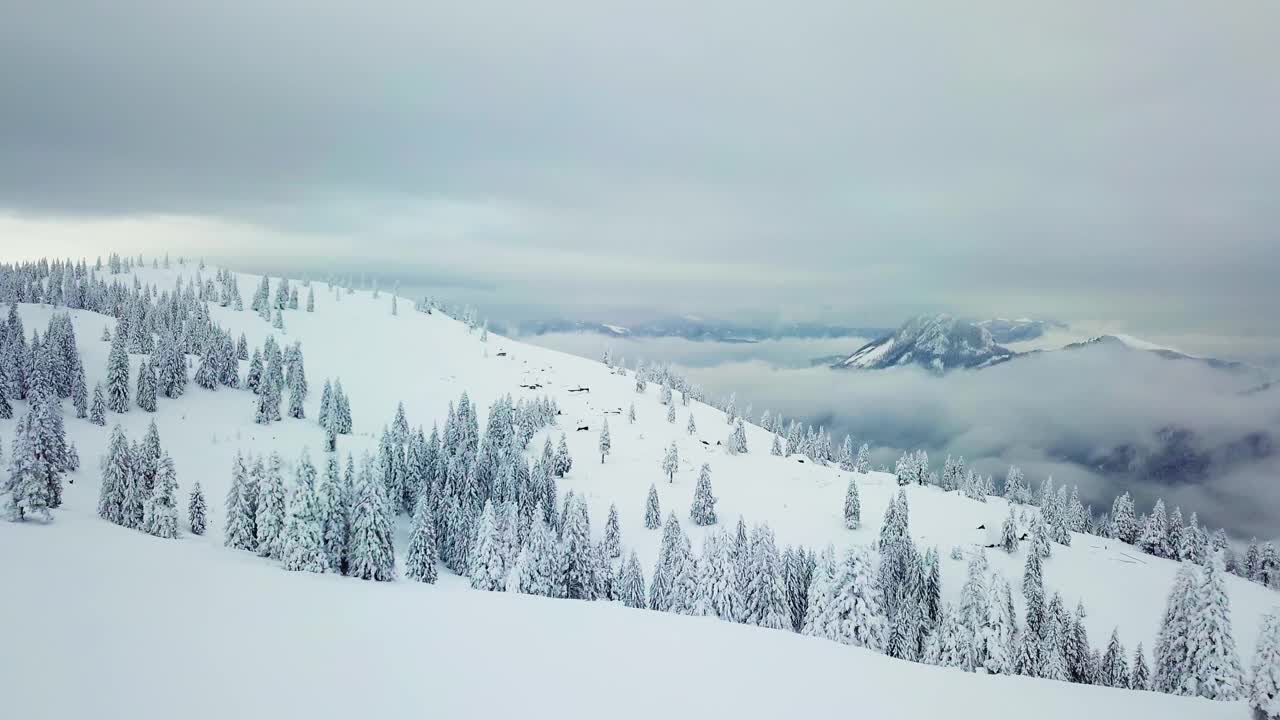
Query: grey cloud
[890,158]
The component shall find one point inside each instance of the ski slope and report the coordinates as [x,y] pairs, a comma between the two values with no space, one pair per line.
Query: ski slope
[223,634]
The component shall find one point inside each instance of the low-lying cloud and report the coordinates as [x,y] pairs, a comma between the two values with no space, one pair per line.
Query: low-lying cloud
[1061,414]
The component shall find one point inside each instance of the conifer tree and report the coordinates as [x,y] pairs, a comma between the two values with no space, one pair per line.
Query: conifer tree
[563,461]
[717,587]
[652,515]
[253,380]
[420,563]
[197,513]
[632,590]
[856,615]
[303,549]
[538,569]
[575,539]
[631,414]
[1264,683]
[311,299]
[691,428]
[115,477]
[605,444]
[1172,657]
[335,498]
[79,392]
[372,551]
[1214,670]
[1009,533]
[117,390]
[671,462]
[765,602]
[240,526]
[270,518]
[146,387]
[26,488]
[612,533]
[852,507]
[161,517]
[1033,592]
[487,570]
[1115,666]
[703,511]
[738,438]
[1141,677]
[775,448]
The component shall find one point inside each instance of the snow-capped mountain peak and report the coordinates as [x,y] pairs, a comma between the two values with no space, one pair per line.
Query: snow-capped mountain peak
[939,342]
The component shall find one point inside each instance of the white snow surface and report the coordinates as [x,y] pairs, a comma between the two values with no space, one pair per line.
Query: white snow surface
[109,617]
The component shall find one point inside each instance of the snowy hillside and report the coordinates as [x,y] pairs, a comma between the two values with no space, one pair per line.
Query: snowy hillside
[223,633]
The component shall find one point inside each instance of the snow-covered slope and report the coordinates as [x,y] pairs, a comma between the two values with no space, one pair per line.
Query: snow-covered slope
[102,606]
[937,342]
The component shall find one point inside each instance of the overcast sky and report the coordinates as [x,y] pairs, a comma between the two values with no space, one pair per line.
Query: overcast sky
[1106,161]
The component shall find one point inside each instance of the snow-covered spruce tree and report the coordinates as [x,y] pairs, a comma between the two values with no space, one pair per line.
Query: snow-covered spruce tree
[1153,537]
[1141,677]
[631,414]
[487,569]
[821,595]
[538,570]
[161,517]
[270,518]
[856,614]
[1171,671]
[631,590]
[613,533]
[420,563]
[372,550]
[652,514]
[852,507]
[1115,665]
[738,438]
[775,448]
[197,511]
[1040,544]
[717,590]
[311,299]
[115,477]
[605,444]
[1264,683]
[1033,592]
[335,499]
[117,389]
[1124,526]
[25,488]
[304,531]
[98,410]
[1214,670]
[577,550]
[863,461]
[238,532]
[1009,533]
[765,601]
[146,387]
[135,496]
[671,462]
[691,428]
[703,511]
[253,379]
[563,461]
[79,391]
[671,414]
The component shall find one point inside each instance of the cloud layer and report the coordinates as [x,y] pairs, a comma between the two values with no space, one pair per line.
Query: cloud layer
[863,160]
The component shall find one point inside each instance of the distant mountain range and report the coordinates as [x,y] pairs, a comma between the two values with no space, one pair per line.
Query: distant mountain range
[696,329]
[942,343]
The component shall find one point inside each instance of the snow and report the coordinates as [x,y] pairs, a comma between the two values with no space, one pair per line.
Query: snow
[185,616]
[869,357]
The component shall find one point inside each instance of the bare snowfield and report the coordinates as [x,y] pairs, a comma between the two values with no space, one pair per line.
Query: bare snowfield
[114,623]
